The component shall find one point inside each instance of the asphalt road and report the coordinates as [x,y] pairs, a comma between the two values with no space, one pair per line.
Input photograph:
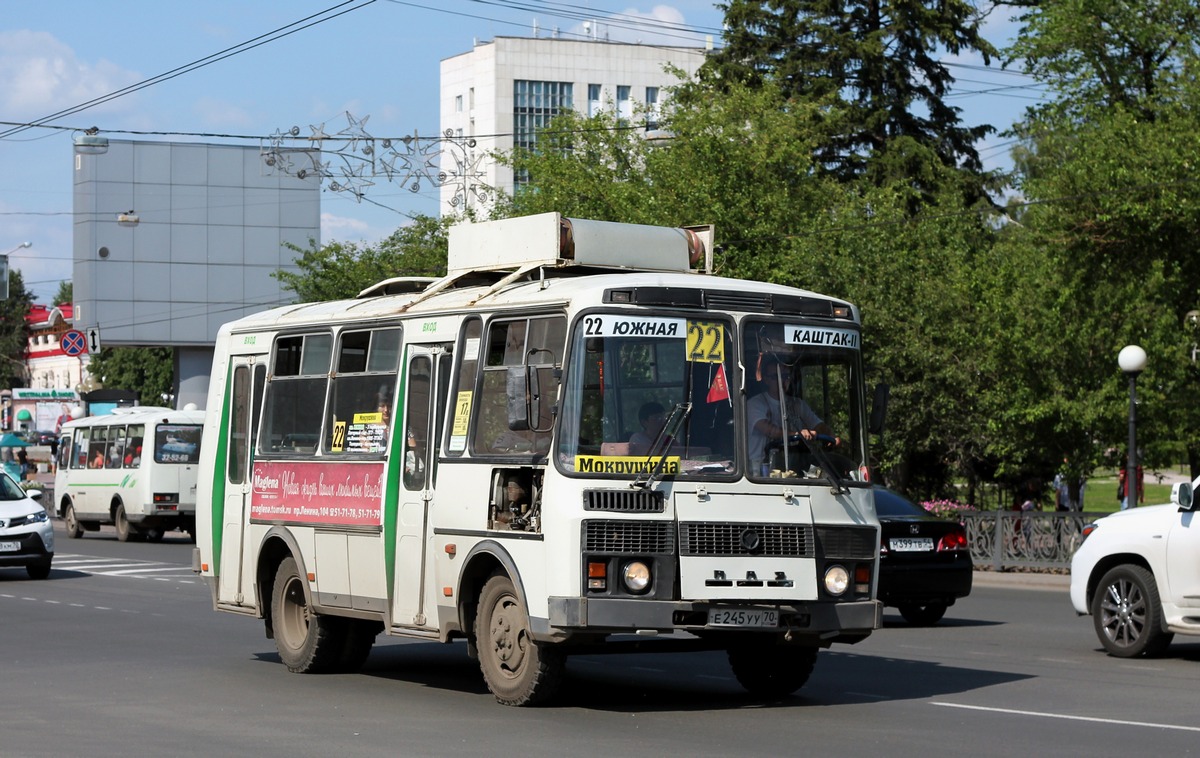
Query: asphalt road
[119,653]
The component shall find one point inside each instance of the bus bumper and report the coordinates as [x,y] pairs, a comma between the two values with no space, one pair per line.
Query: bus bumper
[824,621]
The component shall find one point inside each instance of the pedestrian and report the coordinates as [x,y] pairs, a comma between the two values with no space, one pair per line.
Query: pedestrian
[23,460]
[1122,495]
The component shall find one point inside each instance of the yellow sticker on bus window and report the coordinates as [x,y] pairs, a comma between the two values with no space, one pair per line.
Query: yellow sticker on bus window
[339,437]
[706,342]
[368,418]
[624,464]
[462,414]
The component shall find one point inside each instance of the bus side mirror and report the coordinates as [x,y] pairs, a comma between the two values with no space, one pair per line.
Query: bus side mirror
[879,408]
[516,384]
[1181,495]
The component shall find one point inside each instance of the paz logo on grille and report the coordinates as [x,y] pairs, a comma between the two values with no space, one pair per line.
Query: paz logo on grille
[751,540]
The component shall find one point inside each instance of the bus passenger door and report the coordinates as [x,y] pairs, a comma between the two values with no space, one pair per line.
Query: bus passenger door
[249,377]
[427,375]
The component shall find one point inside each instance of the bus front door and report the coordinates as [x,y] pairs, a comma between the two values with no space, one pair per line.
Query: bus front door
[427,375]
[249,377]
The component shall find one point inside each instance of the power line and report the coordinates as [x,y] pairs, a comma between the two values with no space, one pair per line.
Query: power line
[228,52]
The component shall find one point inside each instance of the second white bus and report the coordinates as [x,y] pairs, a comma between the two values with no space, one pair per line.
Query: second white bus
[134,468]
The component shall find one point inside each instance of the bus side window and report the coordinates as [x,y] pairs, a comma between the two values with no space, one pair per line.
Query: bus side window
[296,393]
[534,342]
[458,416]
[362,392]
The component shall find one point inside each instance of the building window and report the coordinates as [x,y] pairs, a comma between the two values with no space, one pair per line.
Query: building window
[651,108]
[458,103]
[594,103]
[535,104]
[624,104]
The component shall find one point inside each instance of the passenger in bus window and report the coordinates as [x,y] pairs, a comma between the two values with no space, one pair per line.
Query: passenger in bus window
[98,459]
[651,416]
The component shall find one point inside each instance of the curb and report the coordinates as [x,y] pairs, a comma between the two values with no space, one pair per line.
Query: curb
[1023,580]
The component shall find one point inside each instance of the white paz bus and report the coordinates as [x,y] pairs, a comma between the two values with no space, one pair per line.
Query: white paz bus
[576,440]
[134,468]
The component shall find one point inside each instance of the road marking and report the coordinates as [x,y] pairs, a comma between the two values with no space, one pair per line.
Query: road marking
[1065,717]
[127,572]
[130,568]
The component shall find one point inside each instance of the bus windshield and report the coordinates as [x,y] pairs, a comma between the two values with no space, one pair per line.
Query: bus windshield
[629,375]
[177,443]
[804,407]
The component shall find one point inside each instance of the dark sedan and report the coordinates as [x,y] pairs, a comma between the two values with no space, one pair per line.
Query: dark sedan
[924,561]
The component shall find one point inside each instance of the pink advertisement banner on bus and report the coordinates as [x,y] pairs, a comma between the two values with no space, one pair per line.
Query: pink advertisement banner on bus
[349,494]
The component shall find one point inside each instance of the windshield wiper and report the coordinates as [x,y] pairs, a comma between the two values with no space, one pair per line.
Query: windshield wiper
[662,444]
[816,446]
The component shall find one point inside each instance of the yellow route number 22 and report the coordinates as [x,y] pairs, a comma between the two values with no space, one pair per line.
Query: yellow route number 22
[706,342]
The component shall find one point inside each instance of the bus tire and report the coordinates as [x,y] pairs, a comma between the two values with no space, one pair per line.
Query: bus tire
[308,642]
[74,528]
[356,646]
[125,530]
[518,670]
[772,671]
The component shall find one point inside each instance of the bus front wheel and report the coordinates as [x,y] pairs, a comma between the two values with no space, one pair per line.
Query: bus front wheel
[74,528]
[518,670]
[772,671]
[308,642]
[125,530]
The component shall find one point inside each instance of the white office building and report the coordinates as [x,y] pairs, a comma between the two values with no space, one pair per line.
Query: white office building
[502,91]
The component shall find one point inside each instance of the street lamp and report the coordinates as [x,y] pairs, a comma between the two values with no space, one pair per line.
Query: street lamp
[1132,360]
[18,247]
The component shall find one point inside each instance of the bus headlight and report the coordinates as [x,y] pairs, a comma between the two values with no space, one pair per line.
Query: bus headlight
[636,576]
[837,579]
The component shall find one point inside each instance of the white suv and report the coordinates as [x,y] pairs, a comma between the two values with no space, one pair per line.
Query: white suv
[1138,574]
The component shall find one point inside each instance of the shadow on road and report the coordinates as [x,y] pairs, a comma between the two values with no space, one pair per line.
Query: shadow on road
[623,683]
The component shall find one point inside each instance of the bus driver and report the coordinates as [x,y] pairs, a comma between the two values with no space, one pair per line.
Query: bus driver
[765,414]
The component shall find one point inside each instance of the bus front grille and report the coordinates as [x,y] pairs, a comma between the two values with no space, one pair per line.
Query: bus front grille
[629,537]
[733,539]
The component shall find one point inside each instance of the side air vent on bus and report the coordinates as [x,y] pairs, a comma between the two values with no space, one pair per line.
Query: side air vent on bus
[623,501]
[847,542]
[638,537]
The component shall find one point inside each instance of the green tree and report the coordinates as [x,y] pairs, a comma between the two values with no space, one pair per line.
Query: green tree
[1109,169]
[148,371]
[342,270]
[65,294]
[14,332]
[1131,55]
[881,61]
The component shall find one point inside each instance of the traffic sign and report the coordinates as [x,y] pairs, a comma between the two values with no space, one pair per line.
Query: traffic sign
[73,342]
[93,339]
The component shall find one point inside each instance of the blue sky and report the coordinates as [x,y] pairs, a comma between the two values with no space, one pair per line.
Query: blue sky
[376,60]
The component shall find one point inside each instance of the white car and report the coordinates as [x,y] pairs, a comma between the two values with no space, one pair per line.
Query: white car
[26,533]
[1138,574]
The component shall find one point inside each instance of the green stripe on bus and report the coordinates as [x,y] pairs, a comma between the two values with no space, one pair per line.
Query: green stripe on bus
[218,485]
[391,493]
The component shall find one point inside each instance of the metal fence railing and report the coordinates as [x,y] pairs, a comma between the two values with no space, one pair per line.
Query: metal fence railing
[1024,539]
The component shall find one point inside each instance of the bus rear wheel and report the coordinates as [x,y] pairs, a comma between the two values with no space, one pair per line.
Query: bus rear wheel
[308,642]
[772,671]
[518,670]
